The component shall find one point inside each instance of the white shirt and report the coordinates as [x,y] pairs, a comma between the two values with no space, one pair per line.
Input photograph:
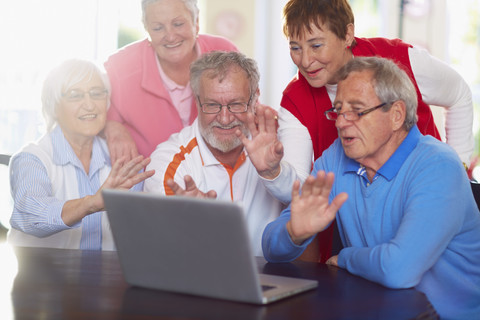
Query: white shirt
[186,153]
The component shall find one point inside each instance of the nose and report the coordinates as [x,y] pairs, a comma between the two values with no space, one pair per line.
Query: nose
[306,58]
[169,34]
[341,122]
[225,116]
[88,102]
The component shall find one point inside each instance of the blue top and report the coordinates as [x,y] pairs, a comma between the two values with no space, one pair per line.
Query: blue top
[37,208]
[416,225]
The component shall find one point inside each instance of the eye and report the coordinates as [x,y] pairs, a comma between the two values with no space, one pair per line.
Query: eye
[294,48]
[317,45]
[157,27]
[74,94]
[98,93]
[178,24]
[237,106]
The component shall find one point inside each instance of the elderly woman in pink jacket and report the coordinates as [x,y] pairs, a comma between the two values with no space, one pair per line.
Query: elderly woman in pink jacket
[151,94]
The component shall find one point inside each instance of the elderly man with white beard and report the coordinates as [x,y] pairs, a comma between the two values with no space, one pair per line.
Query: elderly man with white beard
[208,158]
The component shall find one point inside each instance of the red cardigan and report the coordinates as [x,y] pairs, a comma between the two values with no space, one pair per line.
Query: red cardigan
[308,105]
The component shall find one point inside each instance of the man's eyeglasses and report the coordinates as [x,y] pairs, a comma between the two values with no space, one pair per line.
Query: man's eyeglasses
[234,107]
[76,95]
[332,114]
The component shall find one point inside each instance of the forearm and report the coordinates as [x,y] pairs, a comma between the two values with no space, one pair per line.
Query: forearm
[297,159]
[75,210]
[440,85]
[281,186]
[297,144]
[276,242]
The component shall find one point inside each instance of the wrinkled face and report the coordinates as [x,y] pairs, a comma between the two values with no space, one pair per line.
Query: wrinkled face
[319,54]
[367,140]
[218,130]
[83,117]
[171,29]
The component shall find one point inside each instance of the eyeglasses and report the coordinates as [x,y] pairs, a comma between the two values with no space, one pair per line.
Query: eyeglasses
[76,95]
[332,114]
[234,107]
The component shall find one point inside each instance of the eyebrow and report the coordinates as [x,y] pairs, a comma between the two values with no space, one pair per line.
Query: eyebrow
[309,40]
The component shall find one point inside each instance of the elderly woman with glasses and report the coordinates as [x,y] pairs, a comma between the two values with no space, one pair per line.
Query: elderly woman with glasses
[151,94]
[56,182]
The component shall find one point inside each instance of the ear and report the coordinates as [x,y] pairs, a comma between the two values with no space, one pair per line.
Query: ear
[350,35]
[398,113]
[197,27]
[256,95]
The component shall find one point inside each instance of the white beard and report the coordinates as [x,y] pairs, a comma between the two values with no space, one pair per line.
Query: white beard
[222,145]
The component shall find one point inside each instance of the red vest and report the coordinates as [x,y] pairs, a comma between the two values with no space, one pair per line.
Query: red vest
[308,105]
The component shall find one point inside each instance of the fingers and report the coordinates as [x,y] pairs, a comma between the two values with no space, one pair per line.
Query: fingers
[189,184]
[190,190]
[296,190]
[133,166]
[321,185]
[271,120]
[177,190]
[212,194]
[267,119]
[338,201]
[251,124]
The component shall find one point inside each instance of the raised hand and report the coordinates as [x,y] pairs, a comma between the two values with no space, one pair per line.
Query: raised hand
[310,210]
[264,149]
[124,175]
[190,190]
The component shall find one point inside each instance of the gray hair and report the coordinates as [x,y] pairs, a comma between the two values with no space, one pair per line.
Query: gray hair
[390,82]
[191,5]
[63,77]
[218,63]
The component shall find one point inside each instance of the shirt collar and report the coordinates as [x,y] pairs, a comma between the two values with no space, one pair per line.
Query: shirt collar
[63,153]
[390,168]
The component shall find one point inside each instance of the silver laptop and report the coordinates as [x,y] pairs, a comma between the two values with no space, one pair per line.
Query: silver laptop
[193,246]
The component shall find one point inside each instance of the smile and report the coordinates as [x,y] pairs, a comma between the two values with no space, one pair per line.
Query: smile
[314,72]
[88,117]
[170,46]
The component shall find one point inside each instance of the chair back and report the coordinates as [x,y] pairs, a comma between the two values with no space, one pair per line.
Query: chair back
[476,192]
[5,199]
[5,159]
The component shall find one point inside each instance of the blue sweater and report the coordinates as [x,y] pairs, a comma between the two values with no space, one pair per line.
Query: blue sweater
[416,225]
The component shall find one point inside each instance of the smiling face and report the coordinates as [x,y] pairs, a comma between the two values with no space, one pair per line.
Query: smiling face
[82,120]
[319,54]
[373,138]
[172,30]
[218,130]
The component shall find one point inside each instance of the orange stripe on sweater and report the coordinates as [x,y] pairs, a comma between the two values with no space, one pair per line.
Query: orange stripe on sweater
[173,166]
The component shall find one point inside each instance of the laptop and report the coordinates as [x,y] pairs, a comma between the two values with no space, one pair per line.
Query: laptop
[192,246]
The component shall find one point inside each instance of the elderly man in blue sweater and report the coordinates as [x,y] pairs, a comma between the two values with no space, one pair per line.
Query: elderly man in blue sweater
[403,203]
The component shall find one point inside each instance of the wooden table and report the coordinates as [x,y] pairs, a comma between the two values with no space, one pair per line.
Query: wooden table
[75,284]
